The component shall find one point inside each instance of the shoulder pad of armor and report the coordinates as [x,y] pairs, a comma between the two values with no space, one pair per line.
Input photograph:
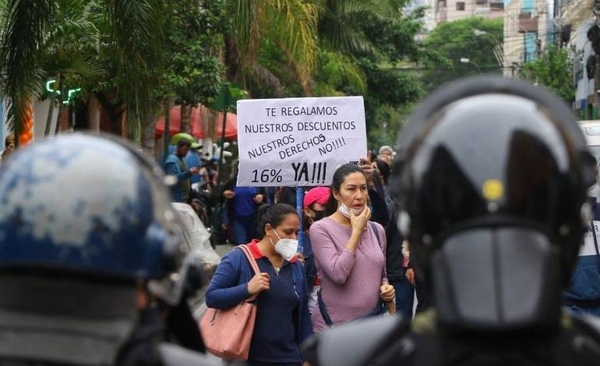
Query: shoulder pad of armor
[356,344]
[174,355]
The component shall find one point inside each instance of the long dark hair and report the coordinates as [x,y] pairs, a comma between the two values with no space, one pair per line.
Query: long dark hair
[272,214]
[338,178]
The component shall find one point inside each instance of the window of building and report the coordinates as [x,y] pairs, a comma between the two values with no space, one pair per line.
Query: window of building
[497,6]
[480,2]
[460,5]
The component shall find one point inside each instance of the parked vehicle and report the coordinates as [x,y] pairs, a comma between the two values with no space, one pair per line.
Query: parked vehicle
[591,130]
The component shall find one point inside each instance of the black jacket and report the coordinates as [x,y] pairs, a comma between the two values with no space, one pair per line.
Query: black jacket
[394,257]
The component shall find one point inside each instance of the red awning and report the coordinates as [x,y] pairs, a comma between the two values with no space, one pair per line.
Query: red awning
[197,115]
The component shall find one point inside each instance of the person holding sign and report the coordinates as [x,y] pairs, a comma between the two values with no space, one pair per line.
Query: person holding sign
[376,192]
[242,204]
[349,251]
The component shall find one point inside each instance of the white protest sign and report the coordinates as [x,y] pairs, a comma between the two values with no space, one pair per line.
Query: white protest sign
[298,141]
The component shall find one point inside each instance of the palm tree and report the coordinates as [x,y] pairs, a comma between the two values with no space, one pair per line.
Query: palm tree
[136,35]
[139,39]
[68,50]
[338,29]
[290,24]
[25,23]
[337,71]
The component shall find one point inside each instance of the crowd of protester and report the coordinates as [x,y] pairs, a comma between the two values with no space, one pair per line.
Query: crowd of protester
[355,262]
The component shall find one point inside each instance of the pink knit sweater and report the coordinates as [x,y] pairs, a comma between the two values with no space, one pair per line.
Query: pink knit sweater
[350,283]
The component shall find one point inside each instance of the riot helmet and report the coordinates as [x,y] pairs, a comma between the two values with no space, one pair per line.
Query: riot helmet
[84,221]
[491,175]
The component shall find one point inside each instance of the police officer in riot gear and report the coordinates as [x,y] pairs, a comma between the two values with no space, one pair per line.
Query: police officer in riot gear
[89,248]
[491,175]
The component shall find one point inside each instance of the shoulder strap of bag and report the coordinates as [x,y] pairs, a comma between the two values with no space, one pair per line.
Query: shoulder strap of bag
[323,310]
[374,228]
[244,248]
[251,260]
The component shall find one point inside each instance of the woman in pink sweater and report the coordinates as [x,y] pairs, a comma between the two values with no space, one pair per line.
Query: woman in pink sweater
[349,253]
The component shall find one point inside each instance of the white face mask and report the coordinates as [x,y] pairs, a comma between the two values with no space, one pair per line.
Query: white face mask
[344,210]
[287,248]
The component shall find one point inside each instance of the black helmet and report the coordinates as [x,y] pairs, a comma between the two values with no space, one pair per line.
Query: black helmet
[491,175]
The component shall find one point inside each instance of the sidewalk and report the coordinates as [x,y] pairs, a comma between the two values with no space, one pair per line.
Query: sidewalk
[223,249]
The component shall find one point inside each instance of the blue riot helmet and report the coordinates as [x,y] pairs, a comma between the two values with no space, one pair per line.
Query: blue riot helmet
[491,175]
[86,204]
[84,220]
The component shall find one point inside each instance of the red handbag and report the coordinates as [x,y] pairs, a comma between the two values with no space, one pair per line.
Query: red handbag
[228,333]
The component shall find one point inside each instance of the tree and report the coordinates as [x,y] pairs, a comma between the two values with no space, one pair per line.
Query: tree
[68,51]
[24,26]
[472,39]
[338,29]
[289,25]
[135,36]
[553,69]
[389,89]
[193,73]
[337,72]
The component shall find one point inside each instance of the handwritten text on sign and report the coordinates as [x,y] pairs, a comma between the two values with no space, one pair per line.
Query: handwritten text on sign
[298,141]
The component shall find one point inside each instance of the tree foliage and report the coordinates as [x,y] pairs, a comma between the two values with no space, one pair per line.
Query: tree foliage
[289,25]
[553,69]
[132,55]
[389,89]
[134,37]
[471,39]
[194,34]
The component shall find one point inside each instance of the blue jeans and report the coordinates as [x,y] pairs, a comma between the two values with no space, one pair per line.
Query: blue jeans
[405,297]
[243,229]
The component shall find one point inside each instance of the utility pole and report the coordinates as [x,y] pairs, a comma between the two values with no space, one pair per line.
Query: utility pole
[524,48]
